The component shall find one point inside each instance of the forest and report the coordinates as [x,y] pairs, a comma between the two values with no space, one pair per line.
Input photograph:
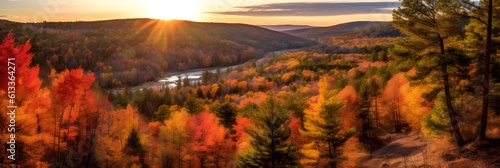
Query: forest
[341,102]
[130,52]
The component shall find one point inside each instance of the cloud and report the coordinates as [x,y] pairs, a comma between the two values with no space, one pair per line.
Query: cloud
[313,9]
[3,16]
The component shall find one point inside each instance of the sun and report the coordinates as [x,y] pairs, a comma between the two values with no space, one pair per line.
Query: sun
[174,9]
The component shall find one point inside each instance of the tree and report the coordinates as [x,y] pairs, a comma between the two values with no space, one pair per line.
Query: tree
[226,111]
[366,94]
[193,105]
[26,77]
[435,123]
[325,125]
[199,93]
[481,16]
[429,26]
[206,77]
[162,114]
[134,146]
[269,137]
[185,81]
[178,83]
[32,124]
[208,139]
[176,135]
[374,56]
[68,89]
[297,105]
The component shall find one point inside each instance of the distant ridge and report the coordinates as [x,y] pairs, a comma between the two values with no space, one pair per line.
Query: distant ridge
[112,49]
[242,35]
[285,27]
[360,29]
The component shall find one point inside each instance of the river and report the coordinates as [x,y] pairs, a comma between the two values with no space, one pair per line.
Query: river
[169,79]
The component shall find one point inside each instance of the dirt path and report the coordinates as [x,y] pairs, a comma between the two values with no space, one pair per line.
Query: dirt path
[416,151]
[404,151]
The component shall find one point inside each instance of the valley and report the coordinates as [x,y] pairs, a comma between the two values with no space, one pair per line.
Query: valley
[173,93]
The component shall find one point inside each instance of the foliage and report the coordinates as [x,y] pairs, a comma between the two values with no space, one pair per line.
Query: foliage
[193,105]
[323,125]
[431,29]
[163,113]
[129,52]
[226,112]
[269,137]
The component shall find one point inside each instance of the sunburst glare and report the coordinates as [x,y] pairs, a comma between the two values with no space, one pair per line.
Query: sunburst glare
[169,9]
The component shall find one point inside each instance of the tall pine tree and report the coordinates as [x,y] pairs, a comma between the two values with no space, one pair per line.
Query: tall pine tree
[134,146]
[325,127]
[429,27]
[481,33]
[270,147]
[226,112]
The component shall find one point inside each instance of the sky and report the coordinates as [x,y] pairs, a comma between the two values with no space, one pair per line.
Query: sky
[256,12]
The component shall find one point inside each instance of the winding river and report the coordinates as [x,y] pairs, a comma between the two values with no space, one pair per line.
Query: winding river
[169,79]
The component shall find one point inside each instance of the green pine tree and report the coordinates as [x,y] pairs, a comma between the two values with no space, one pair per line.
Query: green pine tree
[162,114]
[325,128]
[430,29]
[193,105]
[270,147]
[482,33]
[226,111]
[134,146]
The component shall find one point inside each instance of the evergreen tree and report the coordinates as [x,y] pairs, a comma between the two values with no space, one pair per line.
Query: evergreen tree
[185,81]
[193,105]
[178,83]
[367,90]
[199,93]
[429,27]
[481,32]
[296,104]
[325,127]
[226,112]
[374,56]
[162,114]
[134,146]
[436,122]
[206,77]
[167,97]
[269,145]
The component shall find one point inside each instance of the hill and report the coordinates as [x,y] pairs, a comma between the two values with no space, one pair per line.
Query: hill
[286,27]
[129,52]
[358,29]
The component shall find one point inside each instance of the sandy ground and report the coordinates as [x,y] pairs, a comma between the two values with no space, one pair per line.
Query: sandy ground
[416,151]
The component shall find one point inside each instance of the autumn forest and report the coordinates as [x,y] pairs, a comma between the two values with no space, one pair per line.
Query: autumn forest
[420,91]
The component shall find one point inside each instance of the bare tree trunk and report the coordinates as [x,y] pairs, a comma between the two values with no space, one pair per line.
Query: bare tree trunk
[60,128]
[331,155]
[449,105]
[486,84]
[376,112]
[55,134]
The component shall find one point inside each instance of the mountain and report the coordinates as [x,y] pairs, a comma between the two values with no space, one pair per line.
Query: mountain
[114,49]
[286,27]
[362,28]
[379,30]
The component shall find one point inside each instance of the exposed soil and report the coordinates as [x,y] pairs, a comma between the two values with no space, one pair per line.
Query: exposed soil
[416,151]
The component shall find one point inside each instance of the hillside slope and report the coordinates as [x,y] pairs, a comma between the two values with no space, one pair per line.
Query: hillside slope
[119,50]
[287,27]
[359,29]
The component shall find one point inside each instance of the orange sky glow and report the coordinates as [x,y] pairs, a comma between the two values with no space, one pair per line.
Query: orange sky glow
[257,12]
